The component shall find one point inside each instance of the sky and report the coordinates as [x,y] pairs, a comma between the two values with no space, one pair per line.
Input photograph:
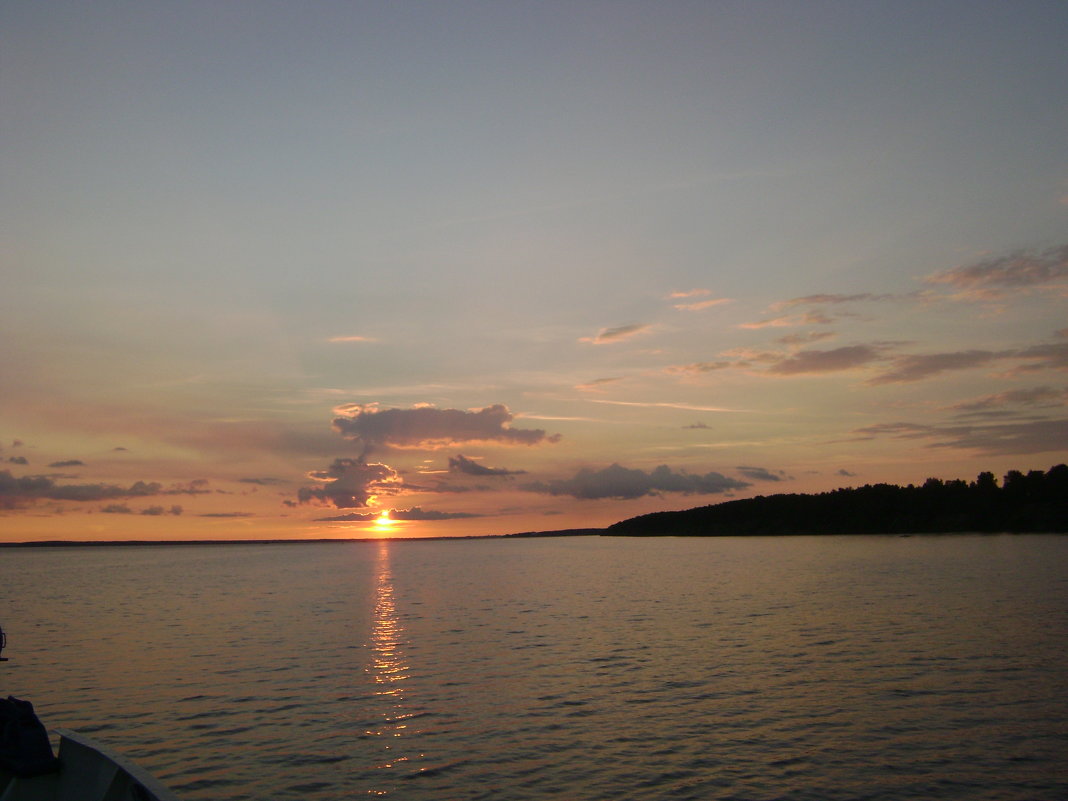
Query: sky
[360,269]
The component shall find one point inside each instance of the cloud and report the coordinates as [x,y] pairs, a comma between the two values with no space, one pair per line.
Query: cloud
[263,482]
[1053,356]
[1018,270]
[1037,396]
[226,514]
[596,384]
[610,335]
[760,474]
[415,513]
[697,425]
[153,511]
[432,428]
[661,405]
[991,439]
[827,361]
[811,300]
[809,318]
[703,304]
[697,368]
[351,483]
[914,368]
[18,492]
[804,339]
[620,482]
[68,463]
[461,464]
[354,338]
[692,293]
[844,472]
[18,460]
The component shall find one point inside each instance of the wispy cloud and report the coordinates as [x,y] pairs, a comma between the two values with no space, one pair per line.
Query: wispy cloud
[832,299]
[608,336]
[788,321]
[697,368]
[352,338]
[597,384]
[992,439]
[1018,270]
[663,405]
[700,305]
[1042,397]
[415,513]
[804,339]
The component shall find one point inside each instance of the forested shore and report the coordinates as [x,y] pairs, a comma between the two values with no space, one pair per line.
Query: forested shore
[1033,502]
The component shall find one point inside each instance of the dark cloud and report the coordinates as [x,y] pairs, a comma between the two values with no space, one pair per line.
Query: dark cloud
[1034,397]
[461,464]
[351,483]
[827,361]
[616,481]
[846,473]
[117,509]
[914,368]
[68,463]
[415,513]
[154,511]
[1053,356]
[119,448]
[263,482]
[761,474]
[226,514]
[697,425]
[609,335]
[993,439]
[1021,269]
[430,427]
[18,460]
[16,492]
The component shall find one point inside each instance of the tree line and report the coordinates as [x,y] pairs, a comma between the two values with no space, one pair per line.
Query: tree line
[1033,502]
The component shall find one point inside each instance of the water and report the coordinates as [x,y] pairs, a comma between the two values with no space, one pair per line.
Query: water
[588,668]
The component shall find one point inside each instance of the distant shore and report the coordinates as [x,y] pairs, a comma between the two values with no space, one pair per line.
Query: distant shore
[1031,503]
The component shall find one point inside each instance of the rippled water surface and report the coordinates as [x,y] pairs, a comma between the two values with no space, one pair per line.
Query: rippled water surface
[584,668]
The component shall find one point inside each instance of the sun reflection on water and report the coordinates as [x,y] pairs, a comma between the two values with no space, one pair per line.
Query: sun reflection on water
[388,668]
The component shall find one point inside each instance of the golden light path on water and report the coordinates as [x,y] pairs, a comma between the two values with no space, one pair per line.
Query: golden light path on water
[388,668]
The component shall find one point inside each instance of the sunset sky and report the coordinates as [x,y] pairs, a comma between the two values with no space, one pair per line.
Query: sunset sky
[270,269]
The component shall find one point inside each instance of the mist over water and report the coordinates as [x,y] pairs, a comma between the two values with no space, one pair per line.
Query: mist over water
[585,668]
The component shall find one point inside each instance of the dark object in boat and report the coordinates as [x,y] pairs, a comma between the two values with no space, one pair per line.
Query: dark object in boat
[25,749]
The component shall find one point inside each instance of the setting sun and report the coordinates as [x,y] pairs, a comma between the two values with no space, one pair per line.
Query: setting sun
[384,523]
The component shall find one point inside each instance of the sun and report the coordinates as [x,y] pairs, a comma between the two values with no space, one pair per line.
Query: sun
[384,523]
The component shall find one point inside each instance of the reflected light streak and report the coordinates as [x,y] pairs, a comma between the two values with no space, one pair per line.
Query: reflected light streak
[388,669]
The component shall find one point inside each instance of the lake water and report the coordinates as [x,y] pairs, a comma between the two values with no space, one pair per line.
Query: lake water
[757,668]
